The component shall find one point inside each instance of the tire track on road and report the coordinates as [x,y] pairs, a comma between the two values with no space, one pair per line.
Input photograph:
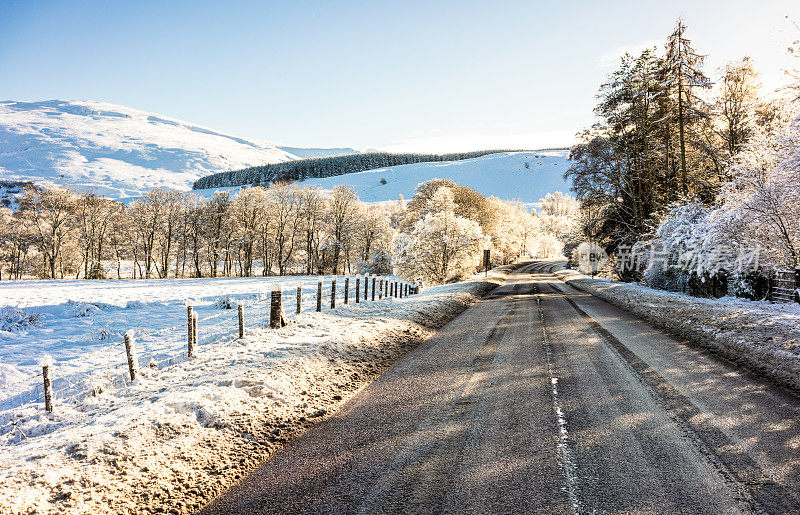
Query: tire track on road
[757,490]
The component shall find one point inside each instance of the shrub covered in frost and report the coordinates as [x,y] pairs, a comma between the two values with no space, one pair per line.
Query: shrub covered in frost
[84,309]
[225,302]
[15,319]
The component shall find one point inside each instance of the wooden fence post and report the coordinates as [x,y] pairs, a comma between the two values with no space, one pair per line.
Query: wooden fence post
[346,288]
[373,287]
[192,351]
[48,388]
[276,317]
[130,353]
[366,287]
[189,327]
[241,321]
[299,298]
[319,296]
[797,284]
[358,289]
[333,294]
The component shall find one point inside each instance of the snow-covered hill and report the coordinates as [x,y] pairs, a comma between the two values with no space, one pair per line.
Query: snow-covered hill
[524,176]
[121,152]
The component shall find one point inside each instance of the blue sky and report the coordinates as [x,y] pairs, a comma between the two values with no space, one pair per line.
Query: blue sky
[423,76]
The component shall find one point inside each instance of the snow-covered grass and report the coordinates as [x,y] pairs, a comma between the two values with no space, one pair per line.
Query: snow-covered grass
[762,336]
[177,436]
[81,324]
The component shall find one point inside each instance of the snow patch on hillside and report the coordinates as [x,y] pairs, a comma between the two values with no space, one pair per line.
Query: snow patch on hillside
[501,175]
[504,175]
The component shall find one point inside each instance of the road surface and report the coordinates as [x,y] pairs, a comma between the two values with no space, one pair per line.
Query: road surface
[542,399]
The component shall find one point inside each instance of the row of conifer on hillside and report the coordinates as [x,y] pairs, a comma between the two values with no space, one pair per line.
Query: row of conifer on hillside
[326,167]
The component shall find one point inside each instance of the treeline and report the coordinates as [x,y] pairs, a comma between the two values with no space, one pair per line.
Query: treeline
[439,235]
[694,164]
[325,167]
[57,233]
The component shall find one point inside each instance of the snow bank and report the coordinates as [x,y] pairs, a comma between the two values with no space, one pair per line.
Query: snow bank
[178,436]
[760,336]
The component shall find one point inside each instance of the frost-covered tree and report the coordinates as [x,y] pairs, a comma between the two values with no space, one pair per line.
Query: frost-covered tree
[17,243]
[343,213]
[558,214]
[736,104]
[284,208]
[761,204]
[312,214]
[442,246]
[248,216]
[94,216]
[217,230]
[52,213]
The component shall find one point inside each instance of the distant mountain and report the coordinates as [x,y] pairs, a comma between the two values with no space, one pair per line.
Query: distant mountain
[121,152]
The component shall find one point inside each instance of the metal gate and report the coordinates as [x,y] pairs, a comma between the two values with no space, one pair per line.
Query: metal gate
[784,286]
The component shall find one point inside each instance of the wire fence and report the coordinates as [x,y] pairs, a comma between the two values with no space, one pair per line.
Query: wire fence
[172,343]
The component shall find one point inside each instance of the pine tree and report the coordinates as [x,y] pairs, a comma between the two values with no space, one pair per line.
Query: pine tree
[682,75]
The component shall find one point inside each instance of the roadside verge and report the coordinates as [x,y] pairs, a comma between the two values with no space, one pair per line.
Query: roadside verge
[759,336]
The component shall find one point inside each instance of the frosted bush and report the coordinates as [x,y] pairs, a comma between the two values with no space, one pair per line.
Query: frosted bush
[84,309]
[14,319]
[225,302]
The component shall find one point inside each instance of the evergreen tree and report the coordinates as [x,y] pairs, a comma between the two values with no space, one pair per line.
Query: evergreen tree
[682,75]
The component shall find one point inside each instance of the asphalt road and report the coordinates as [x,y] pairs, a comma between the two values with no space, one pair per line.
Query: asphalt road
[542,399]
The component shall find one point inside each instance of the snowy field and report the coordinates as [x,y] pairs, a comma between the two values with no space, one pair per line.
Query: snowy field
[176,436]
[762,336]
[81,324]
[503,175]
